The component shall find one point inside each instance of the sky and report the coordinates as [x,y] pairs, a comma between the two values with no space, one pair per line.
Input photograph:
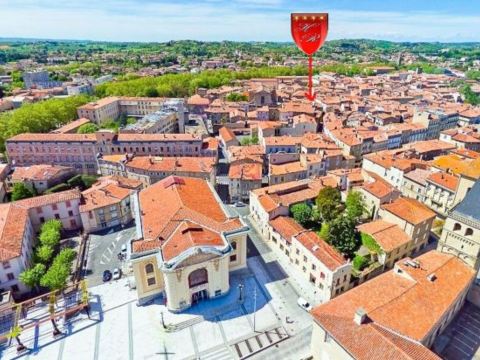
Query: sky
[238,20]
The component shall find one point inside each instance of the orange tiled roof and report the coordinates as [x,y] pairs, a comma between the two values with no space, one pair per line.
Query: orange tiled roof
[409,210]
[446,181]
[245,170]
[378,188]
[48,199]
[226,134]
[169,202]
[171,164]
[286,227]
[389,236]
[327,255]
[406,307]
[38,172]
[13,222]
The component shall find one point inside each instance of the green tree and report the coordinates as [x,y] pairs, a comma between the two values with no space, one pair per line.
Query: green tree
[324,231]
[66,256]
[44,254]
[359,262]
[302,213]
[39,117]
[236,97]
[343,237]
[151,92]
[31,277]
[328,203]
[52,224]
[355,205]
[22,191]
[470,96]
[88,128]
[56,277]
[49,237]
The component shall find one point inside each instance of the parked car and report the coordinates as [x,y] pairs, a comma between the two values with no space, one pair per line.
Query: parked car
[107,275]
[117,274]
[124,248]
[304,304]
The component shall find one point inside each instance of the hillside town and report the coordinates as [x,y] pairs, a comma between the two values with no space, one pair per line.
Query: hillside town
[343,228]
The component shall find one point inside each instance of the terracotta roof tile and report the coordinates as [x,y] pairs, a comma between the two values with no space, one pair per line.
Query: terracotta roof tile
[409,210]
[398,307]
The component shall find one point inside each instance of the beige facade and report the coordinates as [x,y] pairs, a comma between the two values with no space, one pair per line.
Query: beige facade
[417,227]
[182,283]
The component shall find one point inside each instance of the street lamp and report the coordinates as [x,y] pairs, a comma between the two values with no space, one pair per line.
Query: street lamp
[240,295]
[163,321]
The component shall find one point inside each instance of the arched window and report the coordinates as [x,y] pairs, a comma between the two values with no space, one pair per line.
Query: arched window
[234,245]
[469,232]
[457,227]
[198,277]
[149,268]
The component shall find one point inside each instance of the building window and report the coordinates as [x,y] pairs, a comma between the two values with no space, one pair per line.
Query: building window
[39,210]
[67,203]
[313,267]
[457,227]
[151,281]
[6,264]
[57,216]
[10,276]
[234,245]
[42,219]
[233,258]
[469,232]
[54,207]
[70,213]
[149,268]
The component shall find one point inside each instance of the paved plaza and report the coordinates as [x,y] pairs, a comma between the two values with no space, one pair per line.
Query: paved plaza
[265,323]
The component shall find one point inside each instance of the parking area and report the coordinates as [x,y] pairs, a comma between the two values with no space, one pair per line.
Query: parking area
[461,339]
[102,253]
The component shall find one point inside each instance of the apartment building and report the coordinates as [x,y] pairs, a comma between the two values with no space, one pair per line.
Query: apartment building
[373,320]
[275,200]
[150,169]
[322,265]
[415,184]
[375,193]
[72,150]
[80,151]
[244,176]
[62,206]
[108,203]
[40,177]
[440,192]
[111,108]
[17,238]
[413,217]
[394,243]
[435,121]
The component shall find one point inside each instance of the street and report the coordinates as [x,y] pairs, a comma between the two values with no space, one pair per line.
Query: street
[102,253]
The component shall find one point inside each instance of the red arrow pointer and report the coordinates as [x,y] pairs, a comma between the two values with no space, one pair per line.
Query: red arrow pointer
[310,94]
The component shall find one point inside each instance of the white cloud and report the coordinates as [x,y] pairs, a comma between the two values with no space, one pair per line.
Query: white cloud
[129,20]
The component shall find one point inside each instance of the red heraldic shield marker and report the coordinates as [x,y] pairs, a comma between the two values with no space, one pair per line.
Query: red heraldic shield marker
[309,31]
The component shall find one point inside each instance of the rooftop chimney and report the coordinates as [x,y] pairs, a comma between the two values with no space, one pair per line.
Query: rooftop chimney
[360,316]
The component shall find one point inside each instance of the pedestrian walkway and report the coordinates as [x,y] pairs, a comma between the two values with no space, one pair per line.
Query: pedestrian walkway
[295,277]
